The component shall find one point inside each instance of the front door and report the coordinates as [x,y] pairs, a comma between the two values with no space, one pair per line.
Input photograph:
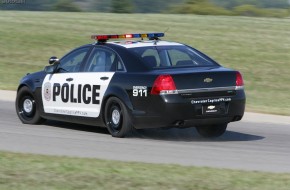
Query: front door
[70,92]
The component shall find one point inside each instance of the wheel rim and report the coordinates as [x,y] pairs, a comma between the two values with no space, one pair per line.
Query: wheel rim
[116,116]
[28,105]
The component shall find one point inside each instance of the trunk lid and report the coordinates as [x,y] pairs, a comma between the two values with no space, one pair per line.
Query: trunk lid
[203,81]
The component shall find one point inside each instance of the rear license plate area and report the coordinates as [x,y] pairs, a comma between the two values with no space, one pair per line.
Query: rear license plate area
[214,109]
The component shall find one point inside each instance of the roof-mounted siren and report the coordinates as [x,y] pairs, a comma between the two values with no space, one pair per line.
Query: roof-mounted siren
[106,37]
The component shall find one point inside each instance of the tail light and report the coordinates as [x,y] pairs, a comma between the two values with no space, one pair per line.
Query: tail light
[164,84]
[239,80]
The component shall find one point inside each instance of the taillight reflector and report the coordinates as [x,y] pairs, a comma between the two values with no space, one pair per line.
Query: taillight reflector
[164,84]
[239,79]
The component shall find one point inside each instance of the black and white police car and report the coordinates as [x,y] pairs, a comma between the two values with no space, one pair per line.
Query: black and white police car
[134,84]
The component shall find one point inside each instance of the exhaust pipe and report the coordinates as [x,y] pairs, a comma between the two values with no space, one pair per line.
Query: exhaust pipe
[179,123]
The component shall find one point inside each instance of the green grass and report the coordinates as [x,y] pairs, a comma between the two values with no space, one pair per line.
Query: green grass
[25,171]
[258,47]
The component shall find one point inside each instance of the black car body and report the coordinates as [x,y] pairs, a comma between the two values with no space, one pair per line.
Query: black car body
[130,84]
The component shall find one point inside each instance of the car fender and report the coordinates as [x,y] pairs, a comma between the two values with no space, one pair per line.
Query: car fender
[27,82]
[119,93]
[32,81]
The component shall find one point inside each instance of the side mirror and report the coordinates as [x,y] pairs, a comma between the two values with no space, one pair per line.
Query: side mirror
[50,69]
[52,60]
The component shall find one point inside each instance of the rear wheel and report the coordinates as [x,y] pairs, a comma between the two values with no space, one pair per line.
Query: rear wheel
[26,107]
[211,131]
[117,118]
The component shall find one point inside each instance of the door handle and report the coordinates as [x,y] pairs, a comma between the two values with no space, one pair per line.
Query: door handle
[104,78]
[69,79]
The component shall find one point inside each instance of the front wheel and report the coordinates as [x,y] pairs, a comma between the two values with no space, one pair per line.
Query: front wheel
[26,107]
[117,118]
[211,131]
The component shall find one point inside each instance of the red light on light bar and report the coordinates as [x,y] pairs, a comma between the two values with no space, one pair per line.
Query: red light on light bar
[102,37]
[114,36]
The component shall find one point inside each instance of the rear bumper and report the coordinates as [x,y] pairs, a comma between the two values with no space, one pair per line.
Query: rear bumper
[175,111]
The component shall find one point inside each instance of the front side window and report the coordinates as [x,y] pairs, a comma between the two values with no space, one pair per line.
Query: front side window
[102,60]
[72,62]
[172,56]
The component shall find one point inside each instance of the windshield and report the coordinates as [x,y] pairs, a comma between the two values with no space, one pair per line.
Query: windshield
[172,56]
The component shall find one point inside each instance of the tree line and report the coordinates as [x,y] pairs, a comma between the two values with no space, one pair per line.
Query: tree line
[271,8]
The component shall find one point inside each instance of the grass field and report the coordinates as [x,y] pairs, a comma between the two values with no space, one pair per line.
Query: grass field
[33,172]
[258,47]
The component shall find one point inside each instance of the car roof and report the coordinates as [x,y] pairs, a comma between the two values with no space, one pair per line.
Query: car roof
[143,43]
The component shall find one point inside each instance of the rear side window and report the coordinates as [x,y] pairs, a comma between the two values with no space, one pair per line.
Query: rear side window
[178,57]
[102,60]
[172,56]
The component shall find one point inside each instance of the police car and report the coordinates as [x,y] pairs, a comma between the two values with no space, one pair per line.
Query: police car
[134,84]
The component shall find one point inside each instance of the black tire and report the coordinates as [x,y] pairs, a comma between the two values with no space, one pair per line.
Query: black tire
[26,107]
[117,118]
[211,131]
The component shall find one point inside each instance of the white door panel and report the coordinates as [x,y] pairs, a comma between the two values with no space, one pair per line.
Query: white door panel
[78,94]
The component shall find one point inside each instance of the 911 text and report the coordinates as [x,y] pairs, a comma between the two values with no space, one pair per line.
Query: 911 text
[140,91]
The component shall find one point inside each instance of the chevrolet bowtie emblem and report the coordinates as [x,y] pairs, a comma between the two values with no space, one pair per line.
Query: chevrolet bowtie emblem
[211,107]
[207,80]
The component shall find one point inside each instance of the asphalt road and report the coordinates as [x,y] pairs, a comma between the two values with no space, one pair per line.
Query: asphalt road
[248,145]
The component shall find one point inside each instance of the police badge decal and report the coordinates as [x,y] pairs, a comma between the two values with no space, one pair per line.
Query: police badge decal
[47,91]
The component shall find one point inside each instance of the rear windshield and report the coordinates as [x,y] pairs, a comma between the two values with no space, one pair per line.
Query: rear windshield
[172,56]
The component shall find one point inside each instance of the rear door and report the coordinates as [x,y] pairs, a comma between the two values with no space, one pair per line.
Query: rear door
[95,79]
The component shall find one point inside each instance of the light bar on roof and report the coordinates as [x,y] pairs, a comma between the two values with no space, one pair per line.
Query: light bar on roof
[105,37]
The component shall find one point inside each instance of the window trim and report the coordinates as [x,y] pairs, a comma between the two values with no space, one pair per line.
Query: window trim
[106,49]
[89,49]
